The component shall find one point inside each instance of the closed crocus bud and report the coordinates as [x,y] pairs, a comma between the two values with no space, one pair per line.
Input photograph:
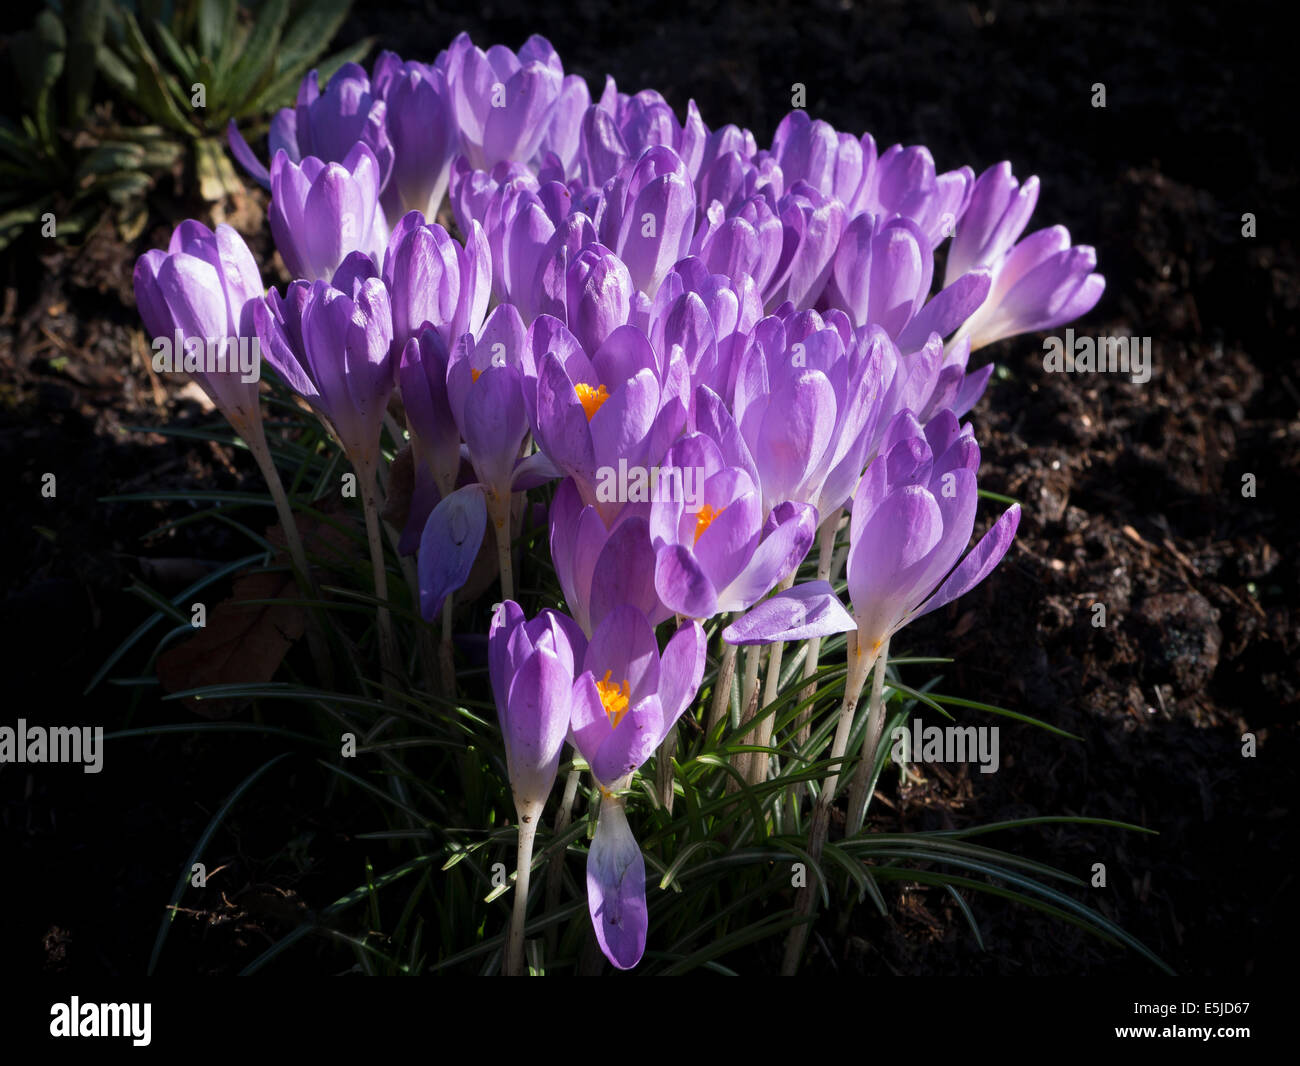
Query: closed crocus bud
[812,151]
[563,134]
[813,224]
[598,295]
[320,212]
[197,297]
[434,281]
[435,439]
[333,347]
[993,221]
[423,135]
[503,102]
[485,393]
[805,402]
[903,183]
[325,125]
[713,550]
[1043,281]
[532,665]
[881,273]
[648,216]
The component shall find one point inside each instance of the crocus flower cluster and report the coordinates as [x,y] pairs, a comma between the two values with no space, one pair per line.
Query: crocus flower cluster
[716,347]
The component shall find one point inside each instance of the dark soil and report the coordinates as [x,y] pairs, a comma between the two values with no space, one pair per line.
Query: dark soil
[1133,499]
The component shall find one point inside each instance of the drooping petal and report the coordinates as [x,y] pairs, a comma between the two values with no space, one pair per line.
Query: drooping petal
[449,546]
[805,611]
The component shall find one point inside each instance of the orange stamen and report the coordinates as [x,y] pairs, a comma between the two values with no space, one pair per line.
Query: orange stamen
[591,399]
[614,698]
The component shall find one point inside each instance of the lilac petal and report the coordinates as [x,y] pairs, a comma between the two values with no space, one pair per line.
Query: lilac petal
[449,546]
[631,743]
[805,611]
[887,552]
[244,155]
[616,887]
[495,425]
[624,573]
[948,310]
[588,720]
[782,549]
[535,726]
[680,671]
[508,617]
[534,471]
[624,646]
[978,564]
[682,584]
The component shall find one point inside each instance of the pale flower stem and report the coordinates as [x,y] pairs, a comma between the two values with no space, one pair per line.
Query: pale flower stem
[722,687]
[858,794]
[254,435]
[748,707]
[523,874]
[499,512]
[825,552]
[387,641]
[758,762]
[859,665]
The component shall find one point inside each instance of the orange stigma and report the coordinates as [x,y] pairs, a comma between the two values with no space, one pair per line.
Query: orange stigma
[591,399]
[614,698]
[474,374]
[704,519]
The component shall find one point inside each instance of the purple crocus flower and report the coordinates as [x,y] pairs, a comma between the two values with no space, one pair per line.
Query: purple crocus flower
[434,281]
[625,700]
[913,515]
[201,292]
[320,212]
[1042,282]
[422,131]
[503,102]
[435,439]
[647,215]
[619,405]
[325,125]
[532,665]
[713,549]
[332,344]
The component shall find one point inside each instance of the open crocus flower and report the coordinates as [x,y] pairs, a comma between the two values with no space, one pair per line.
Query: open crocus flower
[913,515]
[625,700]
[715,552]
[200,292]
[320,212]
[620,408]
